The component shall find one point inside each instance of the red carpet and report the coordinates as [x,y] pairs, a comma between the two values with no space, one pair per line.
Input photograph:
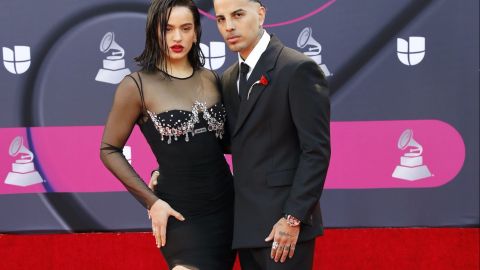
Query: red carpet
[449,248]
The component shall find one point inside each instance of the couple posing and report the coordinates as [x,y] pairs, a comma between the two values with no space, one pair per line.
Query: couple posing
[270,111]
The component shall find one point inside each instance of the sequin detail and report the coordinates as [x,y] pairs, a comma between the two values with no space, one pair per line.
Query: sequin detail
[183,128]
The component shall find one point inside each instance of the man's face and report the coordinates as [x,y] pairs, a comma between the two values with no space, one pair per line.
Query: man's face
[240,23]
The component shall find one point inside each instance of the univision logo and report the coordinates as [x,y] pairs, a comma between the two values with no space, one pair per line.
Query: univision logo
[16,61]
[214,54]
[411,52]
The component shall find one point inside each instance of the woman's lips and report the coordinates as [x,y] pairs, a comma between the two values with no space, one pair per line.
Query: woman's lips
[177,48]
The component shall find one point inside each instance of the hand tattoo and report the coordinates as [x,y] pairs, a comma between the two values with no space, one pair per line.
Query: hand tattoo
[284,234]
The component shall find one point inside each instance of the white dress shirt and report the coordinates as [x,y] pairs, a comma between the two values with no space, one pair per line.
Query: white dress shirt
[254,55]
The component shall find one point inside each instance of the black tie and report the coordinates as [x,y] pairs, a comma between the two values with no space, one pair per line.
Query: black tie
[242,83]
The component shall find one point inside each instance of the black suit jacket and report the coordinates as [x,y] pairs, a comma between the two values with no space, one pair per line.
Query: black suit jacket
[280,144]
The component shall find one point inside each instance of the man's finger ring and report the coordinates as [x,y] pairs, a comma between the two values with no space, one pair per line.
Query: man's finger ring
[287,247]
[275,245]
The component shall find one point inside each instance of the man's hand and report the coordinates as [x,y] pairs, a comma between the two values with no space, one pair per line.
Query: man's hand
[284,239]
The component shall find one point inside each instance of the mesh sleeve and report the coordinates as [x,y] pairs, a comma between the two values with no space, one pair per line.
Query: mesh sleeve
[126,110]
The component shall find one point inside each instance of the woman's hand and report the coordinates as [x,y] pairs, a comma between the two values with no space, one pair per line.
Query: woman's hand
[159,213]
[152,184]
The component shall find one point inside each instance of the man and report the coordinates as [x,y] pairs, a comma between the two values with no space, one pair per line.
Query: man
[278,115]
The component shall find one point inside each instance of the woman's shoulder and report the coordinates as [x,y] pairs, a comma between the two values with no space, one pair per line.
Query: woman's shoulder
[128,88]
[209,74]
[137,82]
[147,79]
[143,74]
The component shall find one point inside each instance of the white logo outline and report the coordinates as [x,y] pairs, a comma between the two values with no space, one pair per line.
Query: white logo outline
[113,70]
[305,40]
[411,166]
[23,171]
[215,54]
[18,60]
[411,52]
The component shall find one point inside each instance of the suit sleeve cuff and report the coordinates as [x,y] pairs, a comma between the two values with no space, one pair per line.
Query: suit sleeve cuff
[304,216]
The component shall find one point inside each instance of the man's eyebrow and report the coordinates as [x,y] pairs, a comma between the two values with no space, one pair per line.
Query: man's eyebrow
[238,10]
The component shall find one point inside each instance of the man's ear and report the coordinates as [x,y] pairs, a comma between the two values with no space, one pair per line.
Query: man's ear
[261,14]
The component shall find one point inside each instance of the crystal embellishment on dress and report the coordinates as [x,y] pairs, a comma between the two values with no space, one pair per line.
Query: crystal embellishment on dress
[183,128]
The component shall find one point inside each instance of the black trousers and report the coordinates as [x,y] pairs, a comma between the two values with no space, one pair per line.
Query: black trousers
[259,258]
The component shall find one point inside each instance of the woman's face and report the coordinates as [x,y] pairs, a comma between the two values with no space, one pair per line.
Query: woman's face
[180,34]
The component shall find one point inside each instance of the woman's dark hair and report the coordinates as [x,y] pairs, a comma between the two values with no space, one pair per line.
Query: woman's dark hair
[155,54]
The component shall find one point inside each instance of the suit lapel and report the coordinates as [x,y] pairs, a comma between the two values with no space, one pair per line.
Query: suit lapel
[230,96]
[265,64]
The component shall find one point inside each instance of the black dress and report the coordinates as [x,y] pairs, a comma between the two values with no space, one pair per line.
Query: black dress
[194,179]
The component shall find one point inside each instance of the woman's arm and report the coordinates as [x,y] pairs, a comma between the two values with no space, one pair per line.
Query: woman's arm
[126,109]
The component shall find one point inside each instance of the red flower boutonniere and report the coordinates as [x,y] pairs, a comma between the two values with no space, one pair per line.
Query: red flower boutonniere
[263,81]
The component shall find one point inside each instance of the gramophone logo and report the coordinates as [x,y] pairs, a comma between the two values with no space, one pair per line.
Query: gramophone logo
[411,166]
[113,70]
[16,61]
[411,52]
[214,54]
[23,171]
[306,41]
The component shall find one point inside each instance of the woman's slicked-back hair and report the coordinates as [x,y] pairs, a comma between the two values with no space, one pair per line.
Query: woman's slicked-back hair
[155,54]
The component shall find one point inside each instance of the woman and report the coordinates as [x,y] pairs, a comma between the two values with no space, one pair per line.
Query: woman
[176,104]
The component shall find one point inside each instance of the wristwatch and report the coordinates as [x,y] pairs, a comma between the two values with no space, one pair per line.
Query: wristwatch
[291,220]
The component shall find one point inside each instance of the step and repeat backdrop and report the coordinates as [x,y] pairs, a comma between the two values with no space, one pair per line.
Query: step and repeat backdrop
[404,78]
